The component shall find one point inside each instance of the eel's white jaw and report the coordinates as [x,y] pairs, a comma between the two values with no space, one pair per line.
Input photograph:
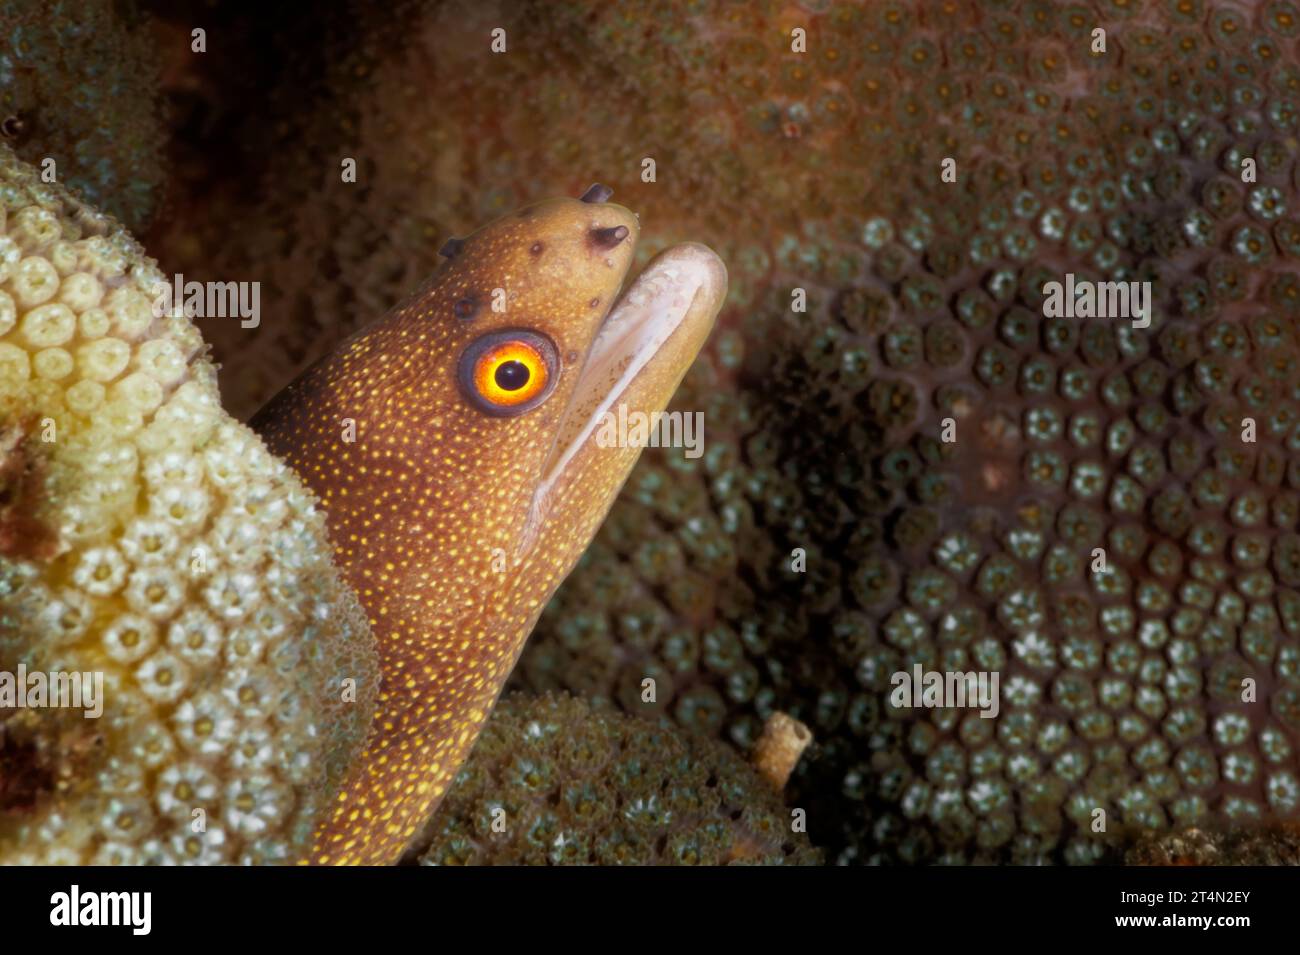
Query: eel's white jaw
[680,287]
[670,288]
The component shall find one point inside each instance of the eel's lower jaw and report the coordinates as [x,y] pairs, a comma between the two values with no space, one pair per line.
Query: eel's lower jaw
[643,348]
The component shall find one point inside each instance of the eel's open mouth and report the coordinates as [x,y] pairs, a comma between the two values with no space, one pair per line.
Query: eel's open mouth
[642,350]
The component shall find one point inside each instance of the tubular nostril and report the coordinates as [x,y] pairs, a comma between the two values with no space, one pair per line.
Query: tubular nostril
[597,193]
[451,248]
[608,238]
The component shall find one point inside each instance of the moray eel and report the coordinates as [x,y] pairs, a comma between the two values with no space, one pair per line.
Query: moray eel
[455,447]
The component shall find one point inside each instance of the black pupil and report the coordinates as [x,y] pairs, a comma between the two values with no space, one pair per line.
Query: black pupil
[511,375]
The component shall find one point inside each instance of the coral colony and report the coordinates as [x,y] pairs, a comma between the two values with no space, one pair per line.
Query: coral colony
[976,515]
[173,556]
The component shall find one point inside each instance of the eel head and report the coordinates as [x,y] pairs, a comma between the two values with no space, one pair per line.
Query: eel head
[461,449]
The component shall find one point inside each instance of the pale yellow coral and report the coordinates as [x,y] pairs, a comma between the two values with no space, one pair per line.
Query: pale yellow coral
[147,536]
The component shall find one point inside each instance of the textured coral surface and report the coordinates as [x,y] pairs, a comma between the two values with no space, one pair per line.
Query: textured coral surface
[79,87]
[1250,845]
[554,782]
[821,171]
[148,537]
[1121,690]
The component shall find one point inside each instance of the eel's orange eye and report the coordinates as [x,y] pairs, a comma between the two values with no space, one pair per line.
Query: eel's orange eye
[509,372]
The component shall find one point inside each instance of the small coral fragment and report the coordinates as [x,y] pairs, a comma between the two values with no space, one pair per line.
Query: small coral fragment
[778,750]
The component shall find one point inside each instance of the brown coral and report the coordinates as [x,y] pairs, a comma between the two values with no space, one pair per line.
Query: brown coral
[79,90]
[555,782]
